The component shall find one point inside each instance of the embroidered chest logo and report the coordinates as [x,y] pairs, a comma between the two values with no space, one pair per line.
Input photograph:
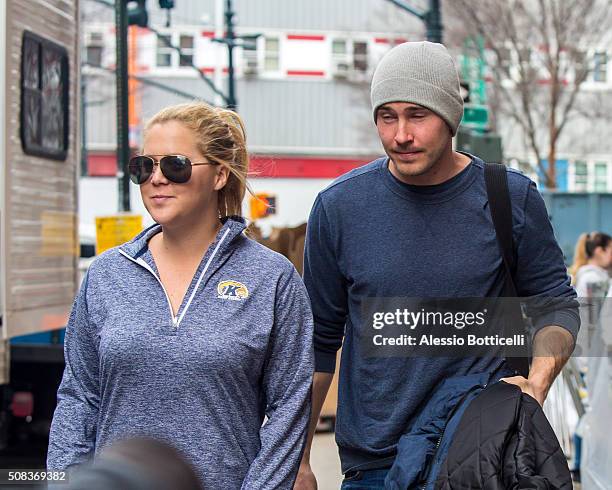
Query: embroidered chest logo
[232,290]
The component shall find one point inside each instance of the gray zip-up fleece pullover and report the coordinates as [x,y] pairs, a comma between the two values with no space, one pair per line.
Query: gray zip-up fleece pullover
[239,349]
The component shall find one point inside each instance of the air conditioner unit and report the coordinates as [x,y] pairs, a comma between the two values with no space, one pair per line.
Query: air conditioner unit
[250,62]
[341,69]
[94,48]
[251,68]
[94,38]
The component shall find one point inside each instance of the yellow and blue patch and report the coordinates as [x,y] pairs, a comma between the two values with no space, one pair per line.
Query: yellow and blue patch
[232,290]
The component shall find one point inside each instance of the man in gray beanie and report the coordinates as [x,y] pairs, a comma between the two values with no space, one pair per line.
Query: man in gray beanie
[416,224]
[422,73]
[419,80]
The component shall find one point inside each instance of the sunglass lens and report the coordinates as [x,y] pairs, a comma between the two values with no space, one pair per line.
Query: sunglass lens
[176,168]
[140,169]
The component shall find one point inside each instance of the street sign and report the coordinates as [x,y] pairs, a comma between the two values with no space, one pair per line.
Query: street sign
[112,231]
[475,116]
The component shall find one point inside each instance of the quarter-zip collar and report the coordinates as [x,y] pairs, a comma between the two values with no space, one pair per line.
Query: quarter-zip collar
[137,251]
[139,244]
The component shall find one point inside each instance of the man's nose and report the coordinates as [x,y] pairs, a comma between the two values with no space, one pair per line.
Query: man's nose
[404,133]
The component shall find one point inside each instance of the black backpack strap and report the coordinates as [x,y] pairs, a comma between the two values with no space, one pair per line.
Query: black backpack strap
[500,207]
[496,180]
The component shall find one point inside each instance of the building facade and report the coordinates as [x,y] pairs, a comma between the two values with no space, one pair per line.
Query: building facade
[302,89]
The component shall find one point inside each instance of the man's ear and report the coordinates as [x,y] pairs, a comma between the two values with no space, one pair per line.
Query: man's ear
[221,178]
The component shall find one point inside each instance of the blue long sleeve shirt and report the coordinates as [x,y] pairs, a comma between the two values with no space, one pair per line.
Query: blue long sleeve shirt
[238,350]
[371,236]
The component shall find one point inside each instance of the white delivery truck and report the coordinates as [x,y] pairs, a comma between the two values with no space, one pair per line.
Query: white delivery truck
[39,158]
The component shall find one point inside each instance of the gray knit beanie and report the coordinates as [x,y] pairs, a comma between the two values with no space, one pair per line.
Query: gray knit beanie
[422,73]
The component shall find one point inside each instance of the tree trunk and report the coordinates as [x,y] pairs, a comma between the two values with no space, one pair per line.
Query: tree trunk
[551,171]
[552,131]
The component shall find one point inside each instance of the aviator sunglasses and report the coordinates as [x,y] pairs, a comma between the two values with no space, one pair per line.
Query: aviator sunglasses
[176,168]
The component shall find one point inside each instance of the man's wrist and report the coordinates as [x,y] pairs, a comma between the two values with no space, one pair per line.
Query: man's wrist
[541,380]
[541,383]
[552,347]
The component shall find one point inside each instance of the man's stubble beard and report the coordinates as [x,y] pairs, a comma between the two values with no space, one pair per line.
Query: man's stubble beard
[415,169]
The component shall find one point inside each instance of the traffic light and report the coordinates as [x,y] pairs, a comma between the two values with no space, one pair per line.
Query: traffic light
[167,5]
[464,89]
[137,14]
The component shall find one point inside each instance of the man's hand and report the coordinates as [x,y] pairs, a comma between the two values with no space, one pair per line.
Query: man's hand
[305,478]
[529,387]
[551,349]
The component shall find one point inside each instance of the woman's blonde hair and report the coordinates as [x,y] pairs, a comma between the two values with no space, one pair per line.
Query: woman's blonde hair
[221,138]
[585,248]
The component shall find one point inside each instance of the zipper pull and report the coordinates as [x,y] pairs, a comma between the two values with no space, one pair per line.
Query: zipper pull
[175,322]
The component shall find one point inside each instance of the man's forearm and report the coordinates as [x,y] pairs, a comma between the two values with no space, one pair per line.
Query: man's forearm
[320,387]
[552,347]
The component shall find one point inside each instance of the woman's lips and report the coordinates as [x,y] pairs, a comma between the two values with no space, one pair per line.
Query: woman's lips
[161,198]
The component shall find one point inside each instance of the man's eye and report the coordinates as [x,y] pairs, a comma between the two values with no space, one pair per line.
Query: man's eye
[387,117]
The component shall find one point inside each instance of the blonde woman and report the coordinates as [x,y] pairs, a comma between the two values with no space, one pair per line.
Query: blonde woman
[590,276]
[592,261]
[191,333]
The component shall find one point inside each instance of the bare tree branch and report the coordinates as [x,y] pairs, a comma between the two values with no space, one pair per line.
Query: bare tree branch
[548,41]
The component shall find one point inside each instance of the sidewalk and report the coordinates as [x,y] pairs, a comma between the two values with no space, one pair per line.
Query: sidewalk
[325,462]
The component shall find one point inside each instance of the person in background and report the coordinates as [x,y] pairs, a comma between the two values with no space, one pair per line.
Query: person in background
[592,263]
[191,333]
[591,278]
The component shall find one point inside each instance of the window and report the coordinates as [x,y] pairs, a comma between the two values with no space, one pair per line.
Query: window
[271,54]
[340,58]
[524,55]
[360,56]
[94,49]
[600,67]
[168,57]
[44,97]
[186,45]
[505,59]
[250,61]
[339,47]
[94,55]
[348,55]
[601,177]
[580,175]
[164,51]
